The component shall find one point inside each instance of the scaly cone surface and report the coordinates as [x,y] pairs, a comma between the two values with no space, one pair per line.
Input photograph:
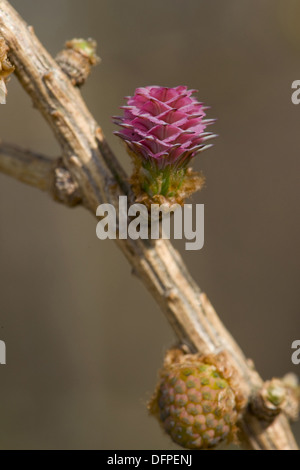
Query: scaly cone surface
[164,129]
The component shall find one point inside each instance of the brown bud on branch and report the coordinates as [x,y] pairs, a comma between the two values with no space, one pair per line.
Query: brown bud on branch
[77,59]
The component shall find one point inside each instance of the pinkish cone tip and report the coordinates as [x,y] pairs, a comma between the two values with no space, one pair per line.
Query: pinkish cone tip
[164,129]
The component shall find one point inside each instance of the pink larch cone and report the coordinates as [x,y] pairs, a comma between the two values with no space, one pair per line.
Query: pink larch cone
[164,129]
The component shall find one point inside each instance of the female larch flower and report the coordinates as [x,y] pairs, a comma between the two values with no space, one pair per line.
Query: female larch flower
[164,129]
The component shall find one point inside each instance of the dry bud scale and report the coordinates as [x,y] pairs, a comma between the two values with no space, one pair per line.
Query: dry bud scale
[5,70]
[164,129]
[197,400]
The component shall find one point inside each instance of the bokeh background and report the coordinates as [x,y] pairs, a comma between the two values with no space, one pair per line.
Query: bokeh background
[84,339]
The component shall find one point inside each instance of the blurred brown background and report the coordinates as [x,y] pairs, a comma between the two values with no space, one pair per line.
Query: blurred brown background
[84,338]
